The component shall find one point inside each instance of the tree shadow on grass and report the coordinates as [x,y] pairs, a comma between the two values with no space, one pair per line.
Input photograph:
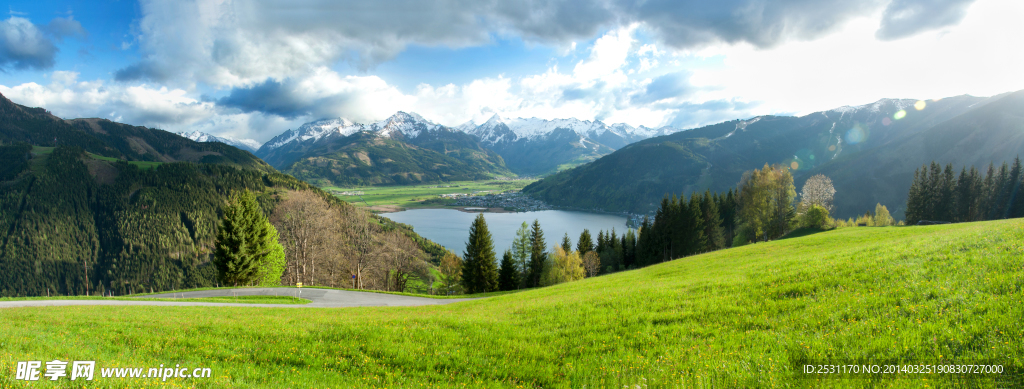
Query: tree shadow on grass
[800,232]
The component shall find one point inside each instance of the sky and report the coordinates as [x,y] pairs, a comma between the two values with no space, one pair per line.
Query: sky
[252,69]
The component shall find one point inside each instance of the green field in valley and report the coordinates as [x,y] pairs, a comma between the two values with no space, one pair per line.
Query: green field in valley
[744,317]
[419,196]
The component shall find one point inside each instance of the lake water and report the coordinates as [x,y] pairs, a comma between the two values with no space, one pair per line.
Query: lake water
[450,228]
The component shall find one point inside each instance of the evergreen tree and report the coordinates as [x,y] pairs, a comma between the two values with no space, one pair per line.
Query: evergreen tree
[584,244]
[962,197]
[1002,193]
[480,272]
[600,241]
[728,214]
[986,200]
[521,248]
[566,243]
[508,275]
[916,198]
[1016,207]
[645,246]
[538,255]
[247,250]
[947,186]
[711,224]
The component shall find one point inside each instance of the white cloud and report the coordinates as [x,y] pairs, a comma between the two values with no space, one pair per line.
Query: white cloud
[849,67]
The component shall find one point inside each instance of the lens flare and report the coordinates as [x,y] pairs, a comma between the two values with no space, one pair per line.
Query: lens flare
[919,105]
[899,114]
[886,121]
[794,165]
[832,148]
[855,135]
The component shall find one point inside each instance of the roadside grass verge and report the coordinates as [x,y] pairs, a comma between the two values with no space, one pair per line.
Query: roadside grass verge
[433,296]
[745,317]
[226,299]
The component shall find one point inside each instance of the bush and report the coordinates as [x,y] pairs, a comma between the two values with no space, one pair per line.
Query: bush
[815,217]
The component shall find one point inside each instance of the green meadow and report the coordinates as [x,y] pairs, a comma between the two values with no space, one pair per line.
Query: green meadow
[419,196]
[36,164]
[750,316]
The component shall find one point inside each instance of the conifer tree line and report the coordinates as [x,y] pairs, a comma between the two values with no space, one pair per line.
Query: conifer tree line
[939,194]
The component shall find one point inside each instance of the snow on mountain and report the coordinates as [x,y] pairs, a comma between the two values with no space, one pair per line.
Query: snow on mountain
[409,125]
[535,128]
[244,144]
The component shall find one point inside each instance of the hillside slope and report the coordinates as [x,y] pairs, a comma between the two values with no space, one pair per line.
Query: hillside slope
[744,317]
[870,152]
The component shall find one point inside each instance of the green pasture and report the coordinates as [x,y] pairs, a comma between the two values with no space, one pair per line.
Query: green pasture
[418,196]
[37,163]
[745,317]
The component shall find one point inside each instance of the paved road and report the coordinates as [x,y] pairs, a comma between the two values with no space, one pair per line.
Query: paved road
[321,298]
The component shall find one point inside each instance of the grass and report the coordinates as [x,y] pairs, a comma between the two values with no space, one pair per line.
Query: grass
[743,317]
[460,296]
[226,299]
[37,164]
[420,196]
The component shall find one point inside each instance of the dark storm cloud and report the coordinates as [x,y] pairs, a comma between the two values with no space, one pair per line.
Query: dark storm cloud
[269,97]
[904,18]
[24,45]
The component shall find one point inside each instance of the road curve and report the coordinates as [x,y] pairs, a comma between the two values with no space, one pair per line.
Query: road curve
[321,298]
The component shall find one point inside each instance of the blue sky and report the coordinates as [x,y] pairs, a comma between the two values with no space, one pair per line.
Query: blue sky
[254,68]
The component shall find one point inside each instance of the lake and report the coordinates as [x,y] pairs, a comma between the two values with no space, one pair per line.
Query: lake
[450,228]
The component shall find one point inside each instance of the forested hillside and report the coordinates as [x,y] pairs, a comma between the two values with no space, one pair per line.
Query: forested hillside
[103,137]
[870,153]
[121,209]
[366,159]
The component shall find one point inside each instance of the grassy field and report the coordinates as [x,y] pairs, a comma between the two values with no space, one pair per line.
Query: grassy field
[234,299]
[743,317]
[36,164]
[420,196]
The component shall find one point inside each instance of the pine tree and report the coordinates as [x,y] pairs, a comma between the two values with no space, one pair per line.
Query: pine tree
[711,223]
[480,272]
[1016,208]
[247,250]
[947,185]
[566,243]
[584,244]
[916,199]
[508,275]
[521,251]
[538,255]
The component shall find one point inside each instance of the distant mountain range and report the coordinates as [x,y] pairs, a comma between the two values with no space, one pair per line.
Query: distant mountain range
[406,148]
[244,144]
[869,151]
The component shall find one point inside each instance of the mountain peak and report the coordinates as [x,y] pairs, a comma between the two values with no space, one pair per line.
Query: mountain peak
[244,144]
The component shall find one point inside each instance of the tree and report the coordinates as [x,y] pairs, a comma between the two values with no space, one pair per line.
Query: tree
[766,201]
[247,250]
[882,217]
[309,229]
[585,244]
[591,263]
[480,272]
[537,255]
[508,275]
[816,216]
[451,272]
[564,267]
[818,190]
[521,249]
[566,243]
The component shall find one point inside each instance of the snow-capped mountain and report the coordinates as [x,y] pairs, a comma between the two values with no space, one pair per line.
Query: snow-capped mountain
[529,146]
[401,124]
[244,144]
